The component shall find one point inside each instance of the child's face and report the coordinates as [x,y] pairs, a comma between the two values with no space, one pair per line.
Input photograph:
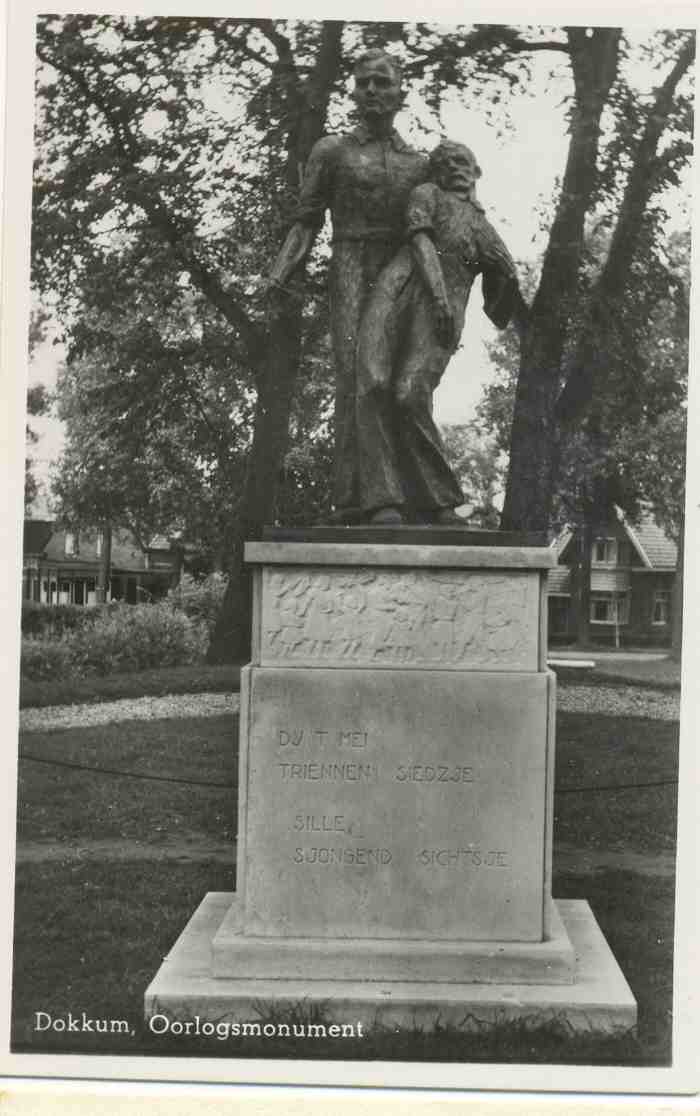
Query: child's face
[456,170]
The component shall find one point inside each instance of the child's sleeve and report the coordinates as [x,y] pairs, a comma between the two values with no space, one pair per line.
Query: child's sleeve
[499,278]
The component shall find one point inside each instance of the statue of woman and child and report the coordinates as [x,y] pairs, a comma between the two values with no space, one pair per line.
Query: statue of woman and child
[409,238]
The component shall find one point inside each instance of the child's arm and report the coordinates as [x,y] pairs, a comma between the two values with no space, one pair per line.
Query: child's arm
[503,301]
[419,220]
[430,270]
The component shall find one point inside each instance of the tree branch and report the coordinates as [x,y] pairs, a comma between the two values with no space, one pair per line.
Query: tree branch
[156,209]
[594,63]
[640,183]
[624,246]
[478,40]
[240,42]
[279,41]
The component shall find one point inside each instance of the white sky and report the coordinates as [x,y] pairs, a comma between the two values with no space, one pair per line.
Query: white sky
[520,168]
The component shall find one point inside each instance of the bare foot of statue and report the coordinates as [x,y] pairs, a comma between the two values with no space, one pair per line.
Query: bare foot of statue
[386,517]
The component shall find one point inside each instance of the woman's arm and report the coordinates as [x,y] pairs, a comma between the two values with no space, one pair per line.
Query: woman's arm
[313,202]
[293,252]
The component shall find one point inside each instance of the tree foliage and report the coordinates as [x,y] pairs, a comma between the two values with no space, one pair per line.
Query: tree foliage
[629,446]
[478,464]
[169,158]
[38,404]
[566,355]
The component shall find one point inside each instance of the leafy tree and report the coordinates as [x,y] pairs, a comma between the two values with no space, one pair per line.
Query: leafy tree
[629,448]
[478,465]
[565,356]
[169,157]
[38,403]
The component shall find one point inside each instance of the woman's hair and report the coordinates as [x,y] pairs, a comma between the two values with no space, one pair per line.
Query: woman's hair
[376,54]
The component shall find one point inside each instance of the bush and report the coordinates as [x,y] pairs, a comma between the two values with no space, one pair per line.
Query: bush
[199,599]
[46,660]
[53,621]
[136,637]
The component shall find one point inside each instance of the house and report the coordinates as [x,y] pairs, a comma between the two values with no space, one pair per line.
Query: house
[62,566]
[633,569]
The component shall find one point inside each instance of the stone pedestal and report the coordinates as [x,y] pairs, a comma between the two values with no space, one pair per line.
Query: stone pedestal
[395,798]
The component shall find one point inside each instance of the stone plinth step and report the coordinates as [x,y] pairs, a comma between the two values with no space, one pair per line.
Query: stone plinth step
[392,959]
[599,1000]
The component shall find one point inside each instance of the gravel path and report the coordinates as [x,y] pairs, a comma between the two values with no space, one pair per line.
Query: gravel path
[620,701]
[127,709]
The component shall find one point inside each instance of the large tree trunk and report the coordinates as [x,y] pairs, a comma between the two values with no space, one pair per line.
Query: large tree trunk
[596,340]
[231,638]
[677,598]
[583,628]
[105,567]
[277,364]
[546,409]
[533,448]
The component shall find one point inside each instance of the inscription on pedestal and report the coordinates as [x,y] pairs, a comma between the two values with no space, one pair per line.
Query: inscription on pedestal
[409,807]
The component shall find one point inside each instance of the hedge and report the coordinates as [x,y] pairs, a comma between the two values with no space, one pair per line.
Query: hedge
[120,638]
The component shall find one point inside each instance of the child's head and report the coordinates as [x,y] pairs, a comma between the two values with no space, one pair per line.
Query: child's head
[454,167]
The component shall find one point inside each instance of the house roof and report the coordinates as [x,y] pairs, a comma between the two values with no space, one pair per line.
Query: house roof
[37,533]
[559,580]
[655,549]
[660,550]
[44,537]
[562,540]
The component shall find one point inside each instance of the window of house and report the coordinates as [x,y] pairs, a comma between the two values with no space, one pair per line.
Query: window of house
[610,608]
[70,543]
[661,607]
[605,551]
[559,608]
[98,543]
[624,553]
[602,610]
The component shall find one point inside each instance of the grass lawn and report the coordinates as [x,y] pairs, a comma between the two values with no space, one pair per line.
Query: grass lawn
[70,806]
[662,673]
[595,751]
[142,683]
[105,885]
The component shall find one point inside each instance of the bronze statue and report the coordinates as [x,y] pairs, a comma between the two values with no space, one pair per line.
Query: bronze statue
[411,326]
[405,252]
[365,178]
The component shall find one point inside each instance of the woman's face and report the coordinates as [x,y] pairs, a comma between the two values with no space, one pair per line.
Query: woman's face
[377,89]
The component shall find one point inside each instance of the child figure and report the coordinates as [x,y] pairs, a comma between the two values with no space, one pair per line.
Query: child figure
[411,327]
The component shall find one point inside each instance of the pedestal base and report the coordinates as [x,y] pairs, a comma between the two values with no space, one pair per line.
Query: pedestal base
[392,959]
[599,1000]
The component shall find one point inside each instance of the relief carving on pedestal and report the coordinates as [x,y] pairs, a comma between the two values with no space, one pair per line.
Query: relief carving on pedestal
[418,618]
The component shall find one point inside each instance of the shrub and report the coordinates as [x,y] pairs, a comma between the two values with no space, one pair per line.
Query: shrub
[46,659]
[200,599]
[44,621]
[136,637]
